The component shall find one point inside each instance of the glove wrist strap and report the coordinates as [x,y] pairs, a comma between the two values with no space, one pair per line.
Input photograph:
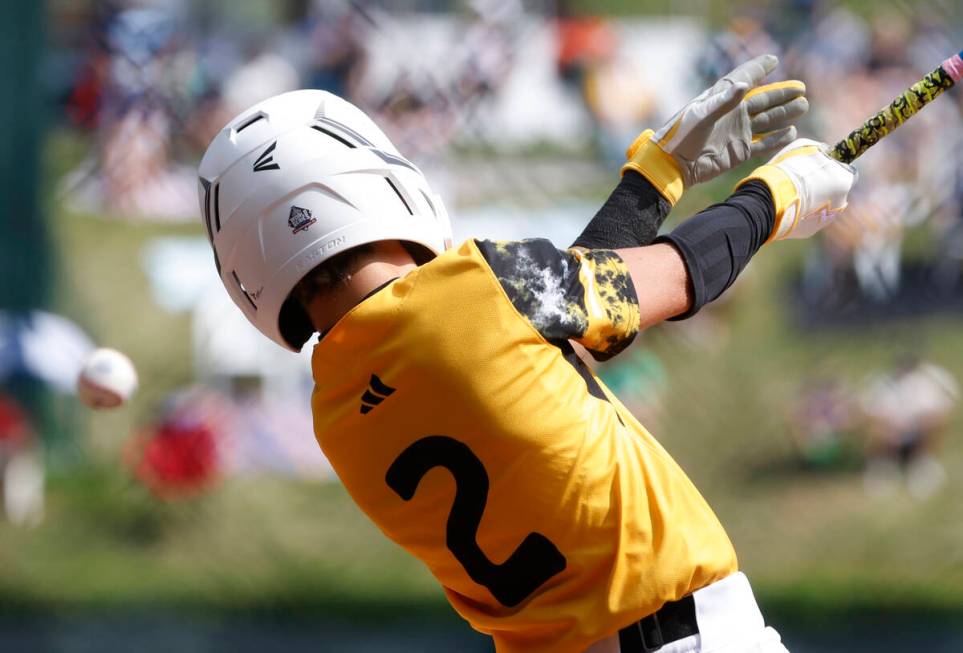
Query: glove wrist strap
[785,198]
[656,165]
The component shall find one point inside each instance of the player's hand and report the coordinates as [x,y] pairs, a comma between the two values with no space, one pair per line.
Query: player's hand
[809,188]
[724,126]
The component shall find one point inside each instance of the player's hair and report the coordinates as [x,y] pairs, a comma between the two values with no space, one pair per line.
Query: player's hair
[329,275]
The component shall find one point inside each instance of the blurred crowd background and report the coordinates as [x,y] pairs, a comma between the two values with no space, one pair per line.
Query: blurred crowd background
[816,406]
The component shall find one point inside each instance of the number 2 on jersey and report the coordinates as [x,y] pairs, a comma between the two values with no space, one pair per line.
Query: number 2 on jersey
[531,564]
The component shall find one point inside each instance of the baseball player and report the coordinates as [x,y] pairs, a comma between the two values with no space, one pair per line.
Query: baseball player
[450,395]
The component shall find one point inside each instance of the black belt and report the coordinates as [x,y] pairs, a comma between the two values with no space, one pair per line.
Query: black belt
[673,621]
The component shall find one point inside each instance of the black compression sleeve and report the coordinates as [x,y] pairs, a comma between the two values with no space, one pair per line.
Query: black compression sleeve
[717,243]
[630,217]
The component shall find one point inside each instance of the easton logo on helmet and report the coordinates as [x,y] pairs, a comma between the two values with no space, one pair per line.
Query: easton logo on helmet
[300,219]
[266,160]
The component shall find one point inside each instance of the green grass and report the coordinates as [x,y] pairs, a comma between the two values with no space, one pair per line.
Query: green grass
[811,543]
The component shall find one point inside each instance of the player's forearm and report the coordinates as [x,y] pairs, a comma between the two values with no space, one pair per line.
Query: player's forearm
[716,244]
[694,264]
[661,282]
[630,217]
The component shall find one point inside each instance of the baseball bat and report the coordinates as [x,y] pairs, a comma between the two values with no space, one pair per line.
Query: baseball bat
[899,110]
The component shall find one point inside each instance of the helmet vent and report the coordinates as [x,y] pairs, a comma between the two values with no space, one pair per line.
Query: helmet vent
[431,204]
[207,220]
[400,196]
[333,135]
[207,207]
[247,123]
[240,286]
[392,159]
[344,129]
[217,207]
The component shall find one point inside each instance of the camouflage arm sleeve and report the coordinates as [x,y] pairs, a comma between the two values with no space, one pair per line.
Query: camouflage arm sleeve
[566,294]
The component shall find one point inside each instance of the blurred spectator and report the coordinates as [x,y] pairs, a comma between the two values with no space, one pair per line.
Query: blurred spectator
[878,213]
[837,41]
[744,38]
[821,421]
[270,433]
[178,457]
[86,98]
[263,74]
[44,347]
[202,435]
[425,109]
[908,409]
[586,49]
[618,101]
[948,231]
[487,52]
[582,41]
[338,55]
[21,466]
[417,114]
[136,89]
[39,351]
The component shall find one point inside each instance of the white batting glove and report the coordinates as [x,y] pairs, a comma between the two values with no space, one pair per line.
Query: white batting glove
[724,126]
[809,188]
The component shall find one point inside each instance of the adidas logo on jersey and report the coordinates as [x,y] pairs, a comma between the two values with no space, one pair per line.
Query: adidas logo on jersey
[377,392]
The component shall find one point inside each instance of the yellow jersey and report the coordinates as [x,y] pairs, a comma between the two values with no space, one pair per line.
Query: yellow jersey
[453,408]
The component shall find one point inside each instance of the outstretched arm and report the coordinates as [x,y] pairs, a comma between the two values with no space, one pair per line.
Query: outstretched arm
[800,191]
[726,124]
[601,298]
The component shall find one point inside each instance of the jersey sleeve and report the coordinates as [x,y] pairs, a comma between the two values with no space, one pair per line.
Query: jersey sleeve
[588,297]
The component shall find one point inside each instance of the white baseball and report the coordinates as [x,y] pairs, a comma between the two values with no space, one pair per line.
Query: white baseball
[107,379]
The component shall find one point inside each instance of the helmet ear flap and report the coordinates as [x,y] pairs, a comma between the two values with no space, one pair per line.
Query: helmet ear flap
[294,324]
[418,252]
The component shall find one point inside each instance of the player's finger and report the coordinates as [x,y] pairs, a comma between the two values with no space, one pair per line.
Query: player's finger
[779,116]
[754,71]
[768,143]
[722,103]
[767,96]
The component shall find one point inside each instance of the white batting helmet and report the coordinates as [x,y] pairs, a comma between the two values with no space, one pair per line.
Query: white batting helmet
[295,180]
